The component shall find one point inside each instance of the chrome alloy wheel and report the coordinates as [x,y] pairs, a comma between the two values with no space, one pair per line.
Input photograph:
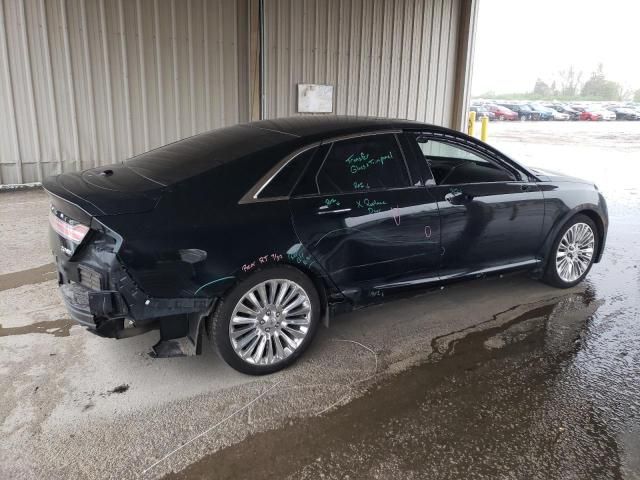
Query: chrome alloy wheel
[270,322]
[575,252]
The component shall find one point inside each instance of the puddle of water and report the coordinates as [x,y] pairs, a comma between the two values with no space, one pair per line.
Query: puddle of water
[470,411]
[57,328]
[25,277]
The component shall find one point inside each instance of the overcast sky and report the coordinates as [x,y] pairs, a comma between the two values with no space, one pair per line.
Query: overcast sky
[519,41]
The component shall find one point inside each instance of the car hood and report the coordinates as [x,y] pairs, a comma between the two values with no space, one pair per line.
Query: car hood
[551,176]
[110,190]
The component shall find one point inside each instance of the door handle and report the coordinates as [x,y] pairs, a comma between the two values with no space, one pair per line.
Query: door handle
[340,210]
[458,198]
[524,188]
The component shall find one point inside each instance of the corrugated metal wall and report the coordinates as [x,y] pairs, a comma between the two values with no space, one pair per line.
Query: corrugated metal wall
[90,82]
[392,58]
[84,83]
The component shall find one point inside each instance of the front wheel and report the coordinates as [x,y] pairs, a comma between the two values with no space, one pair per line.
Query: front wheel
[572,254]
[266,321]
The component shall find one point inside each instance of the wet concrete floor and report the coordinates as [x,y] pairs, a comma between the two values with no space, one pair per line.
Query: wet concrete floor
[518,400]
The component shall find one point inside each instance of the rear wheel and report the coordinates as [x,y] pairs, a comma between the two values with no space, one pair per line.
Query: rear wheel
[573,252]
[267,321]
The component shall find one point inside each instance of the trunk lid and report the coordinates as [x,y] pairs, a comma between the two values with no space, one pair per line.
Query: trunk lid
[110,190]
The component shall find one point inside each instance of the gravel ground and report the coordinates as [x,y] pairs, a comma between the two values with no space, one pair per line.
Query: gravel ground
[493,378]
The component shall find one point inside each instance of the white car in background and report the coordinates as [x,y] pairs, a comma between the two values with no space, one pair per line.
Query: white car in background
[605,114]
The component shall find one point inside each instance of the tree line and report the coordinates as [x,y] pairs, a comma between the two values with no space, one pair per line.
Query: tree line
[570,86]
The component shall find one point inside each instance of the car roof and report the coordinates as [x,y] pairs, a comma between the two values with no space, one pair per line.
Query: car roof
[326,126]
[194,155]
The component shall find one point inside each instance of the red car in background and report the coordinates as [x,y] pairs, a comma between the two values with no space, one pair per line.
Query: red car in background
[502,113]
[586,114]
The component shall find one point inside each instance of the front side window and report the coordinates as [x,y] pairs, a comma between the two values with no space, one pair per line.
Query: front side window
[363,163]
[452,164]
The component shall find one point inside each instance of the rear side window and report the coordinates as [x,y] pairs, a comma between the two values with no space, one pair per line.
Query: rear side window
[284,181]
[363,163]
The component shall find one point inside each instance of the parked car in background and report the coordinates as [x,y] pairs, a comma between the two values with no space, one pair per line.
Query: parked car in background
[573,114]
[254,233]
[624,113]
[523,111]
[542,112]
[587,115]
[502,113]
[482,112]
[556,115]
[604,113]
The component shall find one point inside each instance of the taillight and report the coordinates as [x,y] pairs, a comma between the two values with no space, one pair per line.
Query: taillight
[67,227]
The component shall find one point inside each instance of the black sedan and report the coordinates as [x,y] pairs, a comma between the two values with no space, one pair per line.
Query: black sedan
[259,232]
[624,113]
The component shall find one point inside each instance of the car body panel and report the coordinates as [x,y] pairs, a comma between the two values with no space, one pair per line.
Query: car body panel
[495,224]
[368,240]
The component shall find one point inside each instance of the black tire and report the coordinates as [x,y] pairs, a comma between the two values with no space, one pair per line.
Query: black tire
[551,275]
[218,322]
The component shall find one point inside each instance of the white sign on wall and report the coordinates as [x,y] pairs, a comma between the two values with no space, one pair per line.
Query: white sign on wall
[314,98]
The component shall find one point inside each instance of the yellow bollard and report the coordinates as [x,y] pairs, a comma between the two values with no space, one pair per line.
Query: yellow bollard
[483,131]
[472,123]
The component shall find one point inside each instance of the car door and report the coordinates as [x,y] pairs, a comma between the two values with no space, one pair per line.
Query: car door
[491,213]
[366,218]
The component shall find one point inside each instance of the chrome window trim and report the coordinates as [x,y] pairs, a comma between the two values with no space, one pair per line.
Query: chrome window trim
[252,196]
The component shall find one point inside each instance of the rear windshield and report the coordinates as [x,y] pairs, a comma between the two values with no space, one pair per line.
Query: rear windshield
[194,155]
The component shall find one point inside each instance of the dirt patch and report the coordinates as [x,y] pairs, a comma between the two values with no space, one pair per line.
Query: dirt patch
[119,389]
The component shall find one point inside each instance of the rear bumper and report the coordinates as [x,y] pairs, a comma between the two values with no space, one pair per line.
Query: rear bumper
[102,312]
[76,299]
